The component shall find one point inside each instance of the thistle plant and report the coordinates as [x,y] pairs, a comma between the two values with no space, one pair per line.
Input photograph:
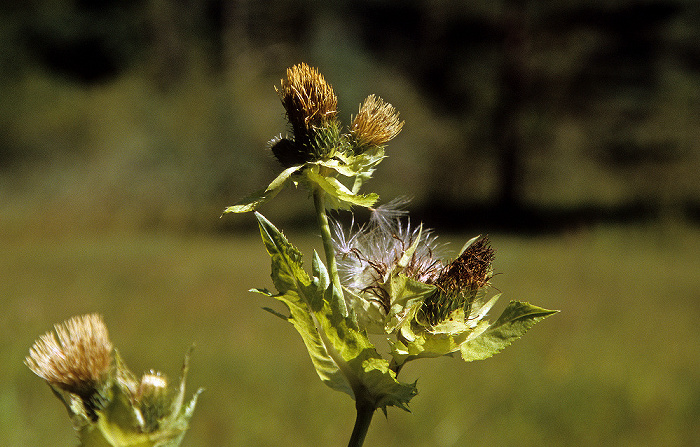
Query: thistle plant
[383,277]
[107,404]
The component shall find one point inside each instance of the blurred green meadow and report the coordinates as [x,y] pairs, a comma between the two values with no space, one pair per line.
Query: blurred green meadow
[618,366]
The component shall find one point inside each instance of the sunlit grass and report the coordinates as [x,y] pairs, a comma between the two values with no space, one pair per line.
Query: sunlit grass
[618,366]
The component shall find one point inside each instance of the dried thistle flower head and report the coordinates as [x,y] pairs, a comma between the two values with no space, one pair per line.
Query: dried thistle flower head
[371,259]
[376,123]
[460,282]
[369,256]
[307,97]
[79,360]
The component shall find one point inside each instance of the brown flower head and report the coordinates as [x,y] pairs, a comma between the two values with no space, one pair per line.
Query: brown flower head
[376,123]
[312,107]
[79,360]
[460,282]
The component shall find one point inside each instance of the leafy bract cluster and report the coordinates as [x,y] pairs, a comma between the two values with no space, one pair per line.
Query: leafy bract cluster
[107,404]
[318,154]
[396,284]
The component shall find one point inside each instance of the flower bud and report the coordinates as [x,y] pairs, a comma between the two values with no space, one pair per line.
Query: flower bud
[154,399]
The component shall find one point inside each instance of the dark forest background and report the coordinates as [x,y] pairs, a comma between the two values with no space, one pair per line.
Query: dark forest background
[519,114]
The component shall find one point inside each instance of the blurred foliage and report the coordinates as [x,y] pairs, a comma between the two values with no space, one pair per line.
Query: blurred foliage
[156,113]
[618,366]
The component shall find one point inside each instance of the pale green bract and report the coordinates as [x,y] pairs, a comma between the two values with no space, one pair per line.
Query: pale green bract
[473,337]
[338,196]
[124,422]
[342,354]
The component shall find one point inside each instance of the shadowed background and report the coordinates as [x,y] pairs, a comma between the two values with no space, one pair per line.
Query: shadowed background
[568,132]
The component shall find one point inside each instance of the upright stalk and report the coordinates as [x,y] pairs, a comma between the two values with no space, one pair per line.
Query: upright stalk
[319,202]
[365,408]
[365,412]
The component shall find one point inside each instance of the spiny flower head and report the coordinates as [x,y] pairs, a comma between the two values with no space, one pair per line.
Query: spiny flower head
[459,282]
[376,123]
[79,361]
[106,403]
[319,155]
[312,109]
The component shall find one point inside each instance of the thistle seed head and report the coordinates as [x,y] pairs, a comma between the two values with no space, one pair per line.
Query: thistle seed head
[368,255]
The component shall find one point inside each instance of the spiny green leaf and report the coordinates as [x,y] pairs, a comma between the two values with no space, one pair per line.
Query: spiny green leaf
[365,369]
[253,201]
[515,320]
[343,356]
[294,287]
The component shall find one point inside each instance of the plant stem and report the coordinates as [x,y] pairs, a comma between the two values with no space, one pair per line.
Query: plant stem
[365,408]
[365,412]
[319,202]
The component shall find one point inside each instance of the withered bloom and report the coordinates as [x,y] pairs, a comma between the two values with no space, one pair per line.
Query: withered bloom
[397,284]
[106,403]
[459,282]
[371,256]
[79,361]
[376,123]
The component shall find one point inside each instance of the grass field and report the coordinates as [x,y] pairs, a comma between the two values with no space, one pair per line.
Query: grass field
[619,366]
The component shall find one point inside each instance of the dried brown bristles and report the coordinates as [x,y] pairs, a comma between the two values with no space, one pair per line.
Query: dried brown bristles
[79,360]
[460,282]
[471,270]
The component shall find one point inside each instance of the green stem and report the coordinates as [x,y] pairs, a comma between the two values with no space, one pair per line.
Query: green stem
[319,202]
[365,408]
[395,367]
[365,412]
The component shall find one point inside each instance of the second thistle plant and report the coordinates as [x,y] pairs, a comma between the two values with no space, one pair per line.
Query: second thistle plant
[107,404]
[384,277]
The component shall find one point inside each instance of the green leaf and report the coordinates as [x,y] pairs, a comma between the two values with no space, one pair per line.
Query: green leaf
[338,196]
[349,164]
[406,294]
[294,286]
[253,201]
[343,356]
[515,320]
